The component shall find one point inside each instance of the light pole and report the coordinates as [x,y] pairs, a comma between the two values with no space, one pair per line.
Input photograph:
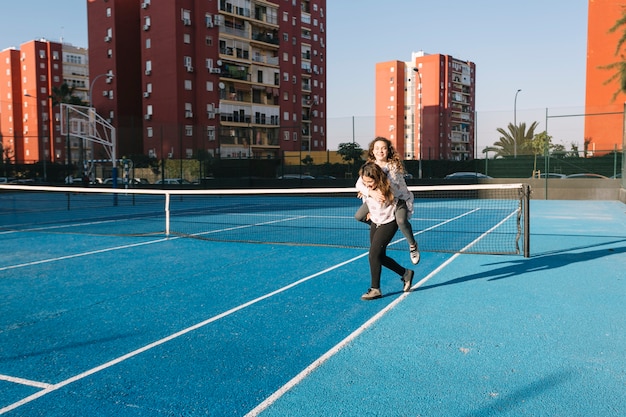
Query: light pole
[419,133]
[515,122]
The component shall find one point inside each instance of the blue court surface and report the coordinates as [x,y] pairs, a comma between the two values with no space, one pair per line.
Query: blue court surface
[96,325]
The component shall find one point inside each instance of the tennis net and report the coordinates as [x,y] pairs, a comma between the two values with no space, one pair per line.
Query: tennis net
[484,218]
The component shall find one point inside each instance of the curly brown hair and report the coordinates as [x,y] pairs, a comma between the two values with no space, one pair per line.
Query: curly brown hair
[373,171]
[392,156]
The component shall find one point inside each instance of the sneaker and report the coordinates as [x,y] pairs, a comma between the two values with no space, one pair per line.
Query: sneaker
[415,255]
[408,280]
[372,294]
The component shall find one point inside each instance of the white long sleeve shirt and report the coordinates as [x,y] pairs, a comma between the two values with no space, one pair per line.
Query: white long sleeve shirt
[398,187]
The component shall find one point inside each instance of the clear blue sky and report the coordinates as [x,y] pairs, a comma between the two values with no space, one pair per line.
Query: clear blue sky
[532,45]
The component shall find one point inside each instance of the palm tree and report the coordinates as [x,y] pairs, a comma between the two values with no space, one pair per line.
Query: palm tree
[65,94]
[515,140]
[620,66]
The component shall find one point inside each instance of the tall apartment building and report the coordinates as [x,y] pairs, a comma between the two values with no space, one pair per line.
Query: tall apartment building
[604,123]
[29,123]
[426,106]
[234,78]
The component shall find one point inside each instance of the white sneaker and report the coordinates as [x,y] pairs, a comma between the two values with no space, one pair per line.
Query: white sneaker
[415,255]
[372,294]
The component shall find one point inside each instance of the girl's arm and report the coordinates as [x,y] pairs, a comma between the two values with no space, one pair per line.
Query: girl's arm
[362,188]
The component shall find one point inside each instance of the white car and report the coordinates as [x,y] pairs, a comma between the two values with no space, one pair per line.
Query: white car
[173,181]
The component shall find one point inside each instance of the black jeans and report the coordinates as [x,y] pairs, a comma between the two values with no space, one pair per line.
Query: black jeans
[380,236]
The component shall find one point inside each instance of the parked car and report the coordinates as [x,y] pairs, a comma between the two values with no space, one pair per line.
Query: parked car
[173,181]
[550,175]
[296,177]
[466,175]
[587,175]
[616,176]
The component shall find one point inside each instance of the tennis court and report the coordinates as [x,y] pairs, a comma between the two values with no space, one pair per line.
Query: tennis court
[103,320]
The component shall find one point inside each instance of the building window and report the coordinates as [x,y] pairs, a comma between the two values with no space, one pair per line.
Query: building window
[186,38]
[149,132]
[210,133]
[188,85]
[188,130]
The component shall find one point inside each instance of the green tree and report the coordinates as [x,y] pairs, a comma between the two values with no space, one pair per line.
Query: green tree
[618,67]
[65,94]
[351,152]
[540,144]
[307,160]
[516,140]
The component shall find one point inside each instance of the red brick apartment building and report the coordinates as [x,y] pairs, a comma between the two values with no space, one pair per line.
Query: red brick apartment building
[426,106]
[27,124]
[604,122]
[29,121]
[234,78]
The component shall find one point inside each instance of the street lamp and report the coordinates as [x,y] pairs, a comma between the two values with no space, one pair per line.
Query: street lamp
[419,138]
[107,74]
[515,122]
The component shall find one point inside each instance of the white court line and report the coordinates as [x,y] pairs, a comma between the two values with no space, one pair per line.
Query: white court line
[173,336]
[23,381]
[54,387]
[332,352]
[132,245]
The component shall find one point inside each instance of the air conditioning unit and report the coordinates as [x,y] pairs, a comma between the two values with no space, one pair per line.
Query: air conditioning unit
[215,70]
[148,116]
[189,68]
[187,22]
[105,93]
[188,114]
[170,155]
[107,39]
[148,72]
[146,94]
[146,27]
[211,115]
[151,153]
[145,5]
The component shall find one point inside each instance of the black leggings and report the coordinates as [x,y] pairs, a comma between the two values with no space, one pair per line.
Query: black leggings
[380,236]
[402,214]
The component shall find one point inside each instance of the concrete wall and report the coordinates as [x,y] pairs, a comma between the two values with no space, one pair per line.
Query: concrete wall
[576,189]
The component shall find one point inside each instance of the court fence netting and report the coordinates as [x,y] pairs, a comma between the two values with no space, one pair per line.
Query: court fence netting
[479,218]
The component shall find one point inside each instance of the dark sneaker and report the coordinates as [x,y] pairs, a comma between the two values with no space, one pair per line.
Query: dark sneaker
[372,294]
[408,280]
[415,255]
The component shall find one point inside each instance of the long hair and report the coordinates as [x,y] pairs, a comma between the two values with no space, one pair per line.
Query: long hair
[373,171]
[392,156]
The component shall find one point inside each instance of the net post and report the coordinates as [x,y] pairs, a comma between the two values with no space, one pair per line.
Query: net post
[167,214]
[526,243]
